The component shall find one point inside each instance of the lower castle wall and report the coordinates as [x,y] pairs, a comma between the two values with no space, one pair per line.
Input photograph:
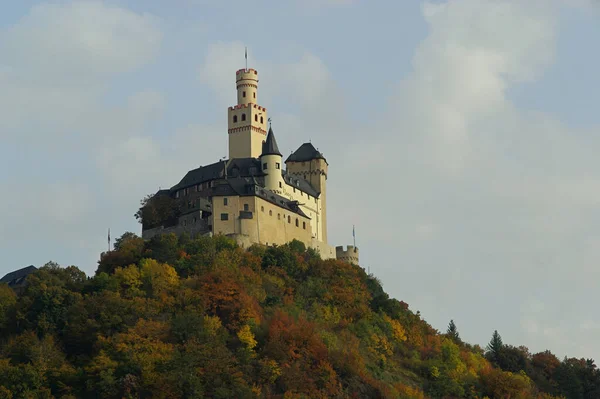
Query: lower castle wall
[326,250]
[191,224]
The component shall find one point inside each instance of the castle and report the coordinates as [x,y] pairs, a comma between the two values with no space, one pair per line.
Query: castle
[250,196]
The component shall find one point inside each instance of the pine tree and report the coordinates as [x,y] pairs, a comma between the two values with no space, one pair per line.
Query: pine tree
[452,331]
[494,347]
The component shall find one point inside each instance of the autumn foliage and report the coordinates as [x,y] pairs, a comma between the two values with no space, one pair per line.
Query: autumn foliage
[176,317]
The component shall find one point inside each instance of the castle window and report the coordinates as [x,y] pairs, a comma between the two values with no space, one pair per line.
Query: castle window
[280,186]
[224,216]
[262,208]
[264,166]
[177,194]
[270,213]
[289,219]
[296,222]
[225,201]
[277,165]
[255,118]
[234,118]
[246,207]
[254,95]
[244,94]
[279,216]
[243,117]
[304,225]
[261,119]
[294,189]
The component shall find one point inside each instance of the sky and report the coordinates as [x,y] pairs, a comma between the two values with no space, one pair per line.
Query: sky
[461,135]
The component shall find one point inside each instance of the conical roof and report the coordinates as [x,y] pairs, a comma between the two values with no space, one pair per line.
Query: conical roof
[270,145]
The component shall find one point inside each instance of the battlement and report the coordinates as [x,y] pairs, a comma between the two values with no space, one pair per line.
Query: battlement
[246,74]
[349,255]
[240,106]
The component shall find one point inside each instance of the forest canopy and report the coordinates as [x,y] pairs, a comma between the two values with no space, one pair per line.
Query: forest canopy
[175,317]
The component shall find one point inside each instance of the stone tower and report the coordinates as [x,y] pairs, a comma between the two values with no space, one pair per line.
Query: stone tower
[270,160]
[247,121]
[311,165]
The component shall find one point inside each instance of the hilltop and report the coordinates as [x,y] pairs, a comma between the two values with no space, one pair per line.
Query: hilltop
[174,317]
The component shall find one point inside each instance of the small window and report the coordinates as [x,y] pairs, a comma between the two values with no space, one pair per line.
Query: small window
[264,166]
[294,189]
[225,201]
[304,225]
[261,119]
[234,118]
[280,186]
[270,213]
[255,118]
[277,165]
[246,207]
[279,216]
[177,194]
[296,222]
[289,219]
[244,94]
[243,117]
[254,94]
[224,216]
[262,208]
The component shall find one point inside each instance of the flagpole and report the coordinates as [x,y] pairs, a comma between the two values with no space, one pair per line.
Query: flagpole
[109,239]
[246,55]
[354,236]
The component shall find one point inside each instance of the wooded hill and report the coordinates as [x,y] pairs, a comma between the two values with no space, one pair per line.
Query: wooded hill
[190,318]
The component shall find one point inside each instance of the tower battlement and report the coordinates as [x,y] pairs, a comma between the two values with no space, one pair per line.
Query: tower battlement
[240,106]
[349,255]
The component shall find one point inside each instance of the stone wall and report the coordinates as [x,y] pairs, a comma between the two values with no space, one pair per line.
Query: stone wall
[191,223]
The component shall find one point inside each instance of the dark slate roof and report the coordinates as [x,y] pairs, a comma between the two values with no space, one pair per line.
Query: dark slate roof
[305,152]
[18,276]
[236,167]
[269,147]
[300,184]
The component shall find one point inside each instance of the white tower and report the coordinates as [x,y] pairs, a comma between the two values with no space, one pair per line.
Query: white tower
[247,121]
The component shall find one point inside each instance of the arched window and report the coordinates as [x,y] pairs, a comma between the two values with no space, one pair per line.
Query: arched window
[261,119]
[279,216]
[255,118]
[262,208]
[296,222]
[289,219]
[243,117]
[254,94]
[270,213]
[234,118]
[243,94]
[304,225]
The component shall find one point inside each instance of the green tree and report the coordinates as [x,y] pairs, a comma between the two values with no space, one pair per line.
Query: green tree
[452,332]
[494,347]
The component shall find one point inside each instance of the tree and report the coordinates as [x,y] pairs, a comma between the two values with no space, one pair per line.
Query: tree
[128,235]
[157,209]
[494,347]
[452,332]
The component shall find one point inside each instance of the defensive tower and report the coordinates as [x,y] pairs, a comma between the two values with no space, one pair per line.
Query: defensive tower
[307,162]
[247,121]
[350,255]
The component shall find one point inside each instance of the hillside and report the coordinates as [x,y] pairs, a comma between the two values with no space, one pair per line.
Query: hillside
[181,318]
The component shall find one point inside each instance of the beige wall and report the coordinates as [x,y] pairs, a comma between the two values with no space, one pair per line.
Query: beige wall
[269,224]
[315,171]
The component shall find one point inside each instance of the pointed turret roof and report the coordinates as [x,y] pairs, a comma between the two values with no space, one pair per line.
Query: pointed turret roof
[270,145]
[305,152]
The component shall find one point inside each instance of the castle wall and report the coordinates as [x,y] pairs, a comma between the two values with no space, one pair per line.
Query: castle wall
[327,251]
[310,206]
[262,222]
[191,223]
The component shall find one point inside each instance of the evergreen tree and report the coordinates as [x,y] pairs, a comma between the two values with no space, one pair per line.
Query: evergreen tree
[452,331]
[494,347]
